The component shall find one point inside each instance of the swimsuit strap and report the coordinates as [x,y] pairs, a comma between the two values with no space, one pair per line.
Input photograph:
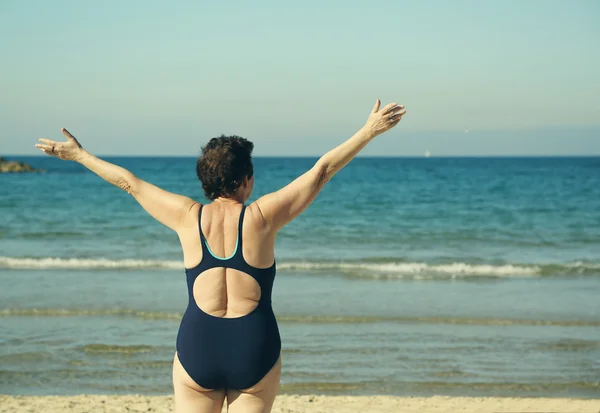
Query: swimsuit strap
[240,224]
[203,241]
[200,221]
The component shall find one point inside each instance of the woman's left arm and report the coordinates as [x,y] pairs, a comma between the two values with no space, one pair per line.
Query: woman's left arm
[168,208]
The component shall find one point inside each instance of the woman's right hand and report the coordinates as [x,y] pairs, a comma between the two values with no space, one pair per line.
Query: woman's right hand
[385,119]
[70,150]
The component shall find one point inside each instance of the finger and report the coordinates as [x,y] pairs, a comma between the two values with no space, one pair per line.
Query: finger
[387,108]
[395,111]
[43,147]
[376,107]
[67,134]
[396,119]
[392,110]
[47,149]
[398,115]
[48,142]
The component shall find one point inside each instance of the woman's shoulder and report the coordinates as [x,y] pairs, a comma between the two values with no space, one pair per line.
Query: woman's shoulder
[191,215]
[255,215]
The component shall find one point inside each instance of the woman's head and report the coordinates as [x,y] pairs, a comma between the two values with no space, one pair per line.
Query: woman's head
[225,166]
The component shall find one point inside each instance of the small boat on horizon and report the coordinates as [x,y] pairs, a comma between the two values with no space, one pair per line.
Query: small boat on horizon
[427,154]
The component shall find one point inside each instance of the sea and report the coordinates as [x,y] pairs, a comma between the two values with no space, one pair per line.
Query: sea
[406,276]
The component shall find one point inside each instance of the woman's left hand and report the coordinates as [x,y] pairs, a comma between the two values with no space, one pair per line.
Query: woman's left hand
[68,151]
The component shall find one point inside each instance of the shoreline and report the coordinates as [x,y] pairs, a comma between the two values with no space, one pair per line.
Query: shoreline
[290,403]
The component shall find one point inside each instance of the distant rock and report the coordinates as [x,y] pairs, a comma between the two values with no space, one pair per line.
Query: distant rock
[16,167]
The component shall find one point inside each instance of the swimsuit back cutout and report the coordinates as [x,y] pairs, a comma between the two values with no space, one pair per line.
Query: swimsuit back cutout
[229,353]
[263,276]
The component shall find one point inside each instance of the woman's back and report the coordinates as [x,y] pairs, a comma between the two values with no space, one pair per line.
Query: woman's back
[221,291]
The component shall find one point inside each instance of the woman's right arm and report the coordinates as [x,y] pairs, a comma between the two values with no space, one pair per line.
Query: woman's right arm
[168,208]
[280,207]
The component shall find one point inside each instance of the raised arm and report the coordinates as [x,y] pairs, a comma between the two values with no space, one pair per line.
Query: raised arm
[168,208]
[280,207]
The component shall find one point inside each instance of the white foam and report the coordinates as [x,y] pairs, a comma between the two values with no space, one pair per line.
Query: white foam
[419,268]
[82,263]
[582,266]
[412,270]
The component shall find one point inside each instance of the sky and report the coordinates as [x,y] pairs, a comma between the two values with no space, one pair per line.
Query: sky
[297,78]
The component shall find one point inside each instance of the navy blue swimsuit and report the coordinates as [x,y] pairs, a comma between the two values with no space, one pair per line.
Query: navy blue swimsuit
[229,353]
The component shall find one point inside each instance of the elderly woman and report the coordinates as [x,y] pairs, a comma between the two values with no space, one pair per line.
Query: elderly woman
[228,343]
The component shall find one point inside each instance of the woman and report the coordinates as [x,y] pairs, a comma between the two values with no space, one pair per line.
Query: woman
[228,343]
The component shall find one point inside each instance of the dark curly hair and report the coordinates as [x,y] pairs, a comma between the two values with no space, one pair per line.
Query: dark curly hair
[224,164]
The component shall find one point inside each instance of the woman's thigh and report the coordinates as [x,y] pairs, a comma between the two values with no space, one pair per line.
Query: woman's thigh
[258,398]
[190,397]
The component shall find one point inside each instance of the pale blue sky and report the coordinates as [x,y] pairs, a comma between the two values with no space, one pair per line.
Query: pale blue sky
[297,78]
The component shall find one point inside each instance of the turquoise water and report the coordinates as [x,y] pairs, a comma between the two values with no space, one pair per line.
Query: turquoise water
[458,276]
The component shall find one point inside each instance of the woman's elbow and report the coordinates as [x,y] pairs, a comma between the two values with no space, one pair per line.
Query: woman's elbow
[127,184]
[124,185]
[324,173]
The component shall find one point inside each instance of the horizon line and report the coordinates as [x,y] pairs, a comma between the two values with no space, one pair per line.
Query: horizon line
[359,156]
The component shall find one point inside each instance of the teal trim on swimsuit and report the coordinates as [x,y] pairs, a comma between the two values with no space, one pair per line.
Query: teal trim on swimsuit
[219,258]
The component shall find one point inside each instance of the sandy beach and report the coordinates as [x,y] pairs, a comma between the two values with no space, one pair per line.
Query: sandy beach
[307,404]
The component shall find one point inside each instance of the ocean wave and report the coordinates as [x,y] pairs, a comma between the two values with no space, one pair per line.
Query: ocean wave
[297,319]
[113,348]
[423,270]
[82,312]
[403,269]
[86,264]
[360,269]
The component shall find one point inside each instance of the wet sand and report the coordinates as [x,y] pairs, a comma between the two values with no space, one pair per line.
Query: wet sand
[306,404]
